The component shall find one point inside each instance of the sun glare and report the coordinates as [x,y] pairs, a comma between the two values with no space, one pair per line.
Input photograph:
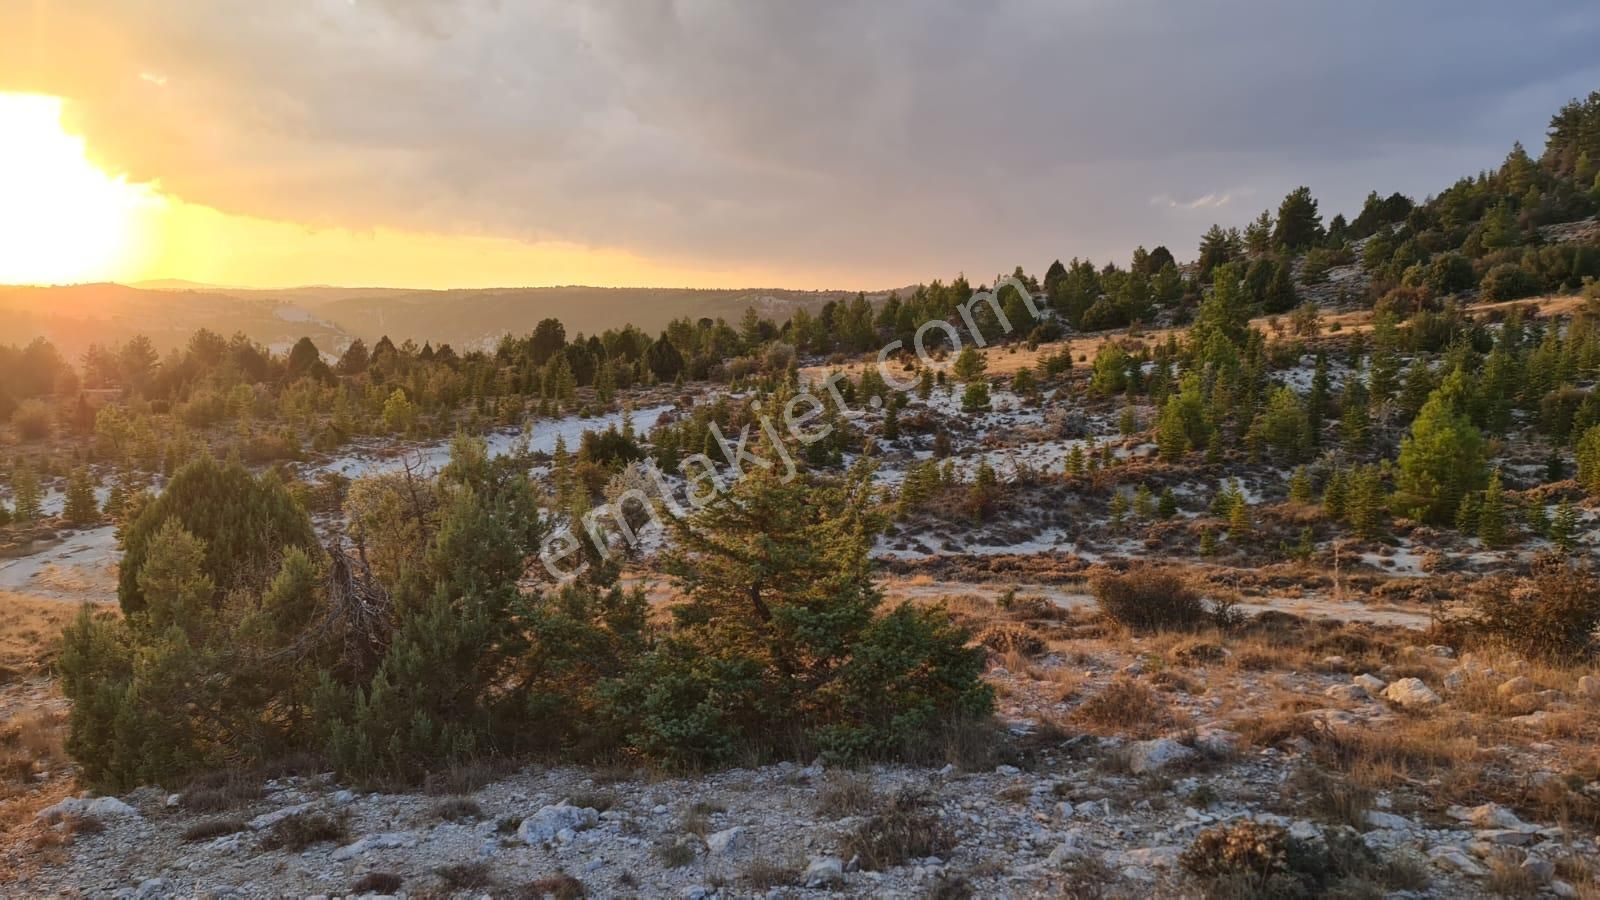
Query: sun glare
[61,218]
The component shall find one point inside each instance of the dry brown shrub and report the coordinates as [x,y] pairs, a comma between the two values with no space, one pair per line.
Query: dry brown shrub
[1147,599]
[845,794]
[1125,707]
[904,827]
[1007,638]
[1552,615]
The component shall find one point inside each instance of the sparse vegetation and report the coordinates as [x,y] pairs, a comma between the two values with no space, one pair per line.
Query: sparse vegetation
[1149,600]
[901,828]
[305,829]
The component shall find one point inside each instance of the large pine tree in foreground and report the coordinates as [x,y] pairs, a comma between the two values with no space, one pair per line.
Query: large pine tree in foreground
[781,645]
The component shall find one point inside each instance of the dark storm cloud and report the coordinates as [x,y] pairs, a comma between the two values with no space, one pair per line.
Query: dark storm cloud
[911,138]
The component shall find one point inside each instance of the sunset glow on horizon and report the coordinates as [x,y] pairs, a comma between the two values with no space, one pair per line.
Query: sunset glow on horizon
[61,218]
[64,220]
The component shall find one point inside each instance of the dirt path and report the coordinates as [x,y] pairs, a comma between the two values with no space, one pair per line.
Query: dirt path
[1311,607]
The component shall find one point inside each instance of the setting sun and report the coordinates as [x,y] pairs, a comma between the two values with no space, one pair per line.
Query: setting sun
[61,218]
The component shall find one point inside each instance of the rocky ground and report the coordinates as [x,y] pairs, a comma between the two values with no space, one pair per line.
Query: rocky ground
[1415,772]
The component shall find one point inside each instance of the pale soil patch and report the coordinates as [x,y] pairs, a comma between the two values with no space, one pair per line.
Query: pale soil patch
[1312,606]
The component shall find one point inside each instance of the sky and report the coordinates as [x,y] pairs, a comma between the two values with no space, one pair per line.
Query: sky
[436,143]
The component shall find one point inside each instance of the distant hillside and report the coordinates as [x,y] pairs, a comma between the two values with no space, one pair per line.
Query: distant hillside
[75,316]
[169,312]
[475,318]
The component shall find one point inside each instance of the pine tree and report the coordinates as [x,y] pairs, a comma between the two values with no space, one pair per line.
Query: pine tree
[985,490]
[1355,418]
[1077,465]
[1144,504]
[1127,422]
[1258,234]
[1418,386]
[1564,526]
[1239,525]
[891,422]
[1364,508]
[975,397]
[1300,486]
[969,365]
[1383,373]
[781,638]
[1317,400]
[1536,518]
[1299,224]
[1208,543]
[1284,425]
[921,482]
[1588,457]
[1335,494]
[561,473]
[81,505]
[1467,513]
[1168,505]
[1024,383]
[1492,513]
[1307,545]
[1172,436]
[1118,508]
[399,415]
[117,497]
[245,521]
[1441,460]
[1280,293]
[26,496]
[1227,495]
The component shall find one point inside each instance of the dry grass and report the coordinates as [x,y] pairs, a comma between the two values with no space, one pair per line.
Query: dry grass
[675,854]
[1507,878]
[456,809]
[30,742]
[1013,642]
[30,631]
[1411,750]
[465,876]
[33,728]
[766,874]
[902,828]
[212,828]
[307,829]
[1126,708]
[464,778]
[1328,798]
[385,883]
[559,886]
[599,801]
[1063,683]
[220,790]
[845,794]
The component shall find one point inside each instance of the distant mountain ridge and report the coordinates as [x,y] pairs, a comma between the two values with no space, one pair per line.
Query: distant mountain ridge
[169,311]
